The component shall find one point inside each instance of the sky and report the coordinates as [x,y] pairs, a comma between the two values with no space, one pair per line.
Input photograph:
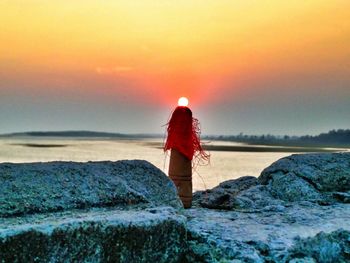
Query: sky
[257,67]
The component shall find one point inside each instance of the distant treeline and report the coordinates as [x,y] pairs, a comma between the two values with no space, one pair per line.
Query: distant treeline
[338,138]
[87,134]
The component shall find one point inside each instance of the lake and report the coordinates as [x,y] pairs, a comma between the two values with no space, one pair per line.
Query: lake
[229,160]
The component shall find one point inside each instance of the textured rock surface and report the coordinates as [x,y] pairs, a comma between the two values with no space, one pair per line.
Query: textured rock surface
[278,235]
[284,219]
[127,212]
[244,193]
[324,247]
[57,186]
[313,177]
[224,195]
[99,235]
[321,178]
[123,211]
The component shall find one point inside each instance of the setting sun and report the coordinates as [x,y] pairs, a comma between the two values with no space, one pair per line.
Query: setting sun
[183,101]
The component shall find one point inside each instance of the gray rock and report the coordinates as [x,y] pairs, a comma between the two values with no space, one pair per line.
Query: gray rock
[56,186]
[279,220]
[125,211]
[324,247]
[312,177]
[322,178]
[269,236]
[343,197]
[224,195]
[98,235]
[242,193]
[257,198]
[303,260]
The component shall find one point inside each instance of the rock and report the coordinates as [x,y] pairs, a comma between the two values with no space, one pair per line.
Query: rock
[28,188]
[125,211]
[242,193]
[101,235]
[322,178]
[343,197]
[324,247]
[224,195]
[128,212]
[312,177]
[280,217]
[257,198]
[302,260]
[269,235]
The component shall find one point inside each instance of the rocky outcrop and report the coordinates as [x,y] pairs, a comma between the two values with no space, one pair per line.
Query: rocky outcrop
[311,177]
[100,235]
[321,178]
[269,236]
[296,211]
[29,188]
[324,247]
[224,195]
[244,193]
[128,211]
[125,211]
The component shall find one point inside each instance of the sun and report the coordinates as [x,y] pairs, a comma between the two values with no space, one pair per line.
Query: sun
[183,101]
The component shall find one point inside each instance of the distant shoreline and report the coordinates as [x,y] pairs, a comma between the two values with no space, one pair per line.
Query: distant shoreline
[258,148]
[250,143]
[243,147]
[79,134]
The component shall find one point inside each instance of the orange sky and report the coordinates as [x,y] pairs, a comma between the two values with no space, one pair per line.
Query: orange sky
[160,50]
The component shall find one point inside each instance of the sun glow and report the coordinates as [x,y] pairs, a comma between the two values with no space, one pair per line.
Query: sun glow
[183,101]
[197,48]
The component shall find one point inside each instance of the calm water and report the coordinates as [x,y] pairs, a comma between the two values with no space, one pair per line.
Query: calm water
[223,166]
